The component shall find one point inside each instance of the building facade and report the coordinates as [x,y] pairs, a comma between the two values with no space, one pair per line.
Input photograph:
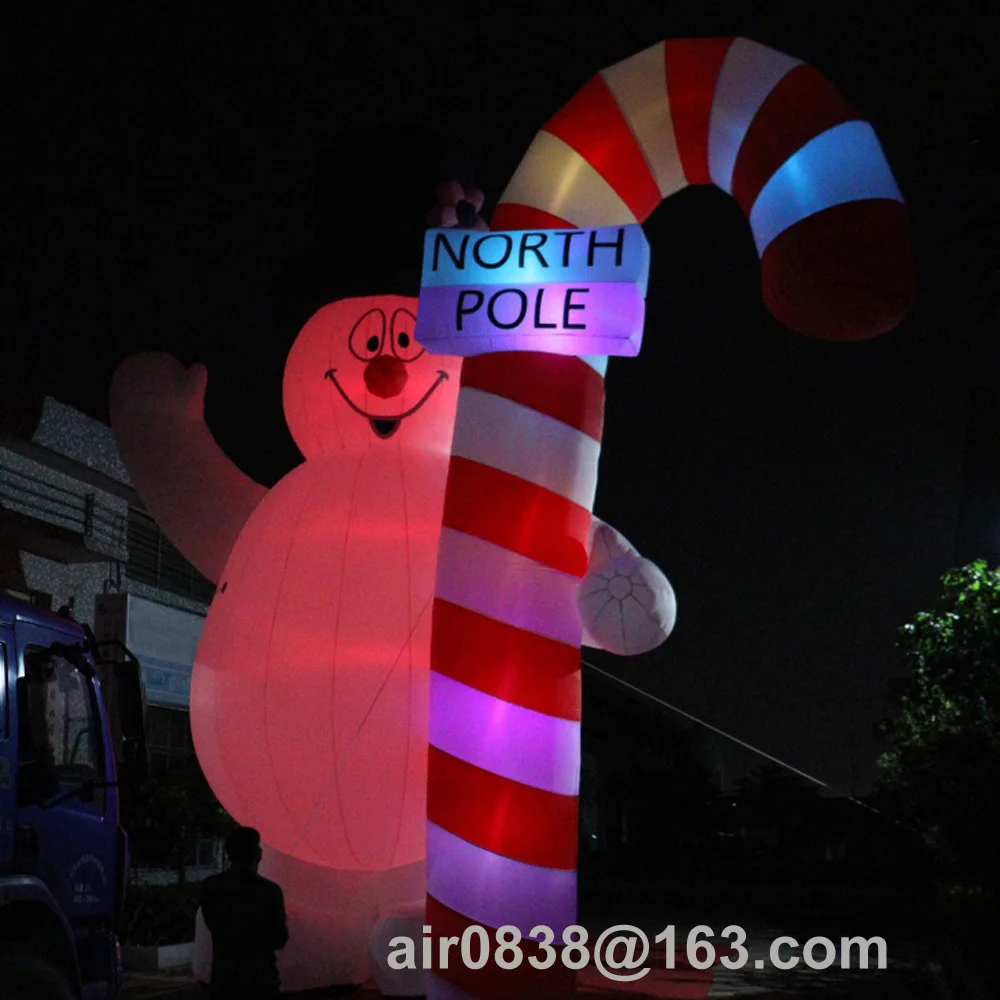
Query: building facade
[75,538]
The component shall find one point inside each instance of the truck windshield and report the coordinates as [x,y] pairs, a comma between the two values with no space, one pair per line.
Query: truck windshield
[62,717]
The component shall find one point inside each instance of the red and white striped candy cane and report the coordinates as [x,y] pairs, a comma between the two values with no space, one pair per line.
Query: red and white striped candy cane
[833,236]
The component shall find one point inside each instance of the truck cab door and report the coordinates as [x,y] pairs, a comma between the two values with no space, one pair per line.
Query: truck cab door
[61,759]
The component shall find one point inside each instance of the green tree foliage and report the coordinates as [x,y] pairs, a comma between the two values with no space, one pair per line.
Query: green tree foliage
[942,763]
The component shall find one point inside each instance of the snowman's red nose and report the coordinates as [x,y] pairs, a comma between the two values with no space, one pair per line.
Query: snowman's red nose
[385,376]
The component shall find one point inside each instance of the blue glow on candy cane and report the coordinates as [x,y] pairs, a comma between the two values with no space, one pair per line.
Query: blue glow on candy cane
[531,257]
[844,164]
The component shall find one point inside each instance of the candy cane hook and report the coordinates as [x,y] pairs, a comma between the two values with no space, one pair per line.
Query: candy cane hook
[833,236]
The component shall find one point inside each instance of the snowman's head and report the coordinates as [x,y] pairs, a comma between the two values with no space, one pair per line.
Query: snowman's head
[357,378]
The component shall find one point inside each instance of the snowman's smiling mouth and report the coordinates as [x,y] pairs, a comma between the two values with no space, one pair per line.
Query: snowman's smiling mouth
[384,426]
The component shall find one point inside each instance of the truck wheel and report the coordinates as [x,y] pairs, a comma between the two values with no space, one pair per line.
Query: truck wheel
[28,977]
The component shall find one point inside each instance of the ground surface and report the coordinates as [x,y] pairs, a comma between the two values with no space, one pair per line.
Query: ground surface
[912,972]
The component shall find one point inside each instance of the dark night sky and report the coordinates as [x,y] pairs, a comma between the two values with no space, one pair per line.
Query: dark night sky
[801,496]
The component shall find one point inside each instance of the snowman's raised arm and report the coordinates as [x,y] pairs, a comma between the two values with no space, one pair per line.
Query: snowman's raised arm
[627,605]
[198,496]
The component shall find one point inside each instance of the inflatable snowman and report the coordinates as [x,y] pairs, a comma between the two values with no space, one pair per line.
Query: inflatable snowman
[309,700]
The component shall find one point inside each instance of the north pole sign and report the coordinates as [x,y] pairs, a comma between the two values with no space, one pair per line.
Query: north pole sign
[577,291]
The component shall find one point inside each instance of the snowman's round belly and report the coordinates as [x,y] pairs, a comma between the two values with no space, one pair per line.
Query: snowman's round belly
[309,701]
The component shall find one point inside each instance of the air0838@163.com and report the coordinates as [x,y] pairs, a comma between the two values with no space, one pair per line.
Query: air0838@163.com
[621,952]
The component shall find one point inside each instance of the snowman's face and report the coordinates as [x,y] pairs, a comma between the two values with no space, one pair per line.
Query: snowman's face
[356,377]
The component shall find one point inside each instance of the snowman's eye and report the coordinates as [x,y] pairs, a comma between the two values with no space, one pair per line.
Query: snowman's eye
[368,335]
[404,345]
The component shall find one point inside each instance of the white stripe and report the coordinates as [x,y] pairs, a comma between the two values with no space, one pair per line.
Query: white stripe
[639,86]
[532,446]
[557,179]
[503,738]
[493,890]
[599,362]
[507,587]
[843,164]
[749,73]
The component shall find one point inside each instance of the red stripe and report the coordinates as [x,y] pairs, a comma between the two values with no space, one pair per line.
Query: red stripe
[802,106]
[492,982]
[517,515]
[693,67]
[501,815]
[509,663]
[846,273]
[564,388]
[593,125]
[510,215]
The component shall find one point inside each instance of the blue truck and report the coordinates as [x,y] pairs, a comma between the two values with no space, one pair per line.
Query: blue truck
[63,755]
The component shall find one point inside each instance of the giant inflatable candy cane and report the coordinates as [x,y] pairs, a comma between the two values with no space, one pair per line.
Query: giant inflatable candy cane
[832,233]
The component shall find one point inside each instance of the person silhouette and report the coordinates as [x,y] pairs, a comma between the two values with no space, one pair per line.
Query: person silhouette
[245,914]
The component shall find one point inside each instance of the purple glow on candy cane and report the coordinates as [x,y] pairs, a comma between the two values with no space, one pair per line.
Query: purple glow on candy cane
[506,739]
[565,318]
[498,890]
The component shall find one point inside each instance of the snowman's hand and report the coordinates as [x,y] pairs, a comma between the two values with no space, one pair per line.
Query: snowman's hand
[198,497]
[627,606]
[606,543]
[157,379]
